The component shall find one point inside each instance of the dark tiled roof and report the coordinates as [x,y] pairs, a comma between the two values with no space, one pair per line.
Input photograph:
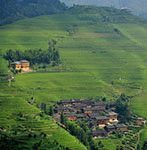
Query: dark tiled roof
[112,113]
[16,63]
[99,133]
[110,127]
[102,118]
[24,61]
[120,126]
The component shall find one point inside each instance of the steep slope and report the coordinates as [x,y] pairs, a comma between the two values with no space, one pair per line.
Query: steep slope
[99,58]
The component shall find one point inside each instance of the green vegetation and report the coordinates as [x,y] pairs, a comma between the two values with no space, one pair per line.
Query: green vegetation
[111,143]
[28,121]
[37,56]
[12,10]
[15,138]
[3,67]
[98,59]
[79,130]
[102,14]
[122,108]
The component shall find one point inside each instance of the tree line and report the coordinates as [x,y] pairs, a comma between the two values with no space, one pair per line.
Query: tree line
[4,71]
[36,56]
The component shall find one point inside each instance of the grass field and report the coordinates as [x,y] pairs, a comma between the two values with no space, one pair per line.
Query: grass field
[93,57]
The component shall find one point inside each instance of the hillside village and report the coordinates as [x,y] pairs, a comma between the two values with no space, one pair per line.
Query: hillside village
[101,117]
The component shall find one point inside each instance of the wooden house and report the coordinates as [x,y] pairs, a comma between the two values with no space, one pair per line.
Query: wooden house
[87,111]
[81,116]
[113,117]
[22,65]
[99,133]
[140,121]
[102,121]
[110,128]
[72,118]
[16,65]
[25,65]
[121,128]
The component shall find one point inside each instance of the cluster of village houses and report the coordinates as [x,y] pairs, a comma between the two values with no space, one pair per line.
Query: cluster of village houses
[100,116]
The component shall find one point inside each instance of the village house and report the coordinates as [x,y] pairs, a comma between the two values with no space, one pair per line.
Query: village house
[93,116]
[79,107]
[65,110]
[71,117]
[102,121]
[99,133]
[140,121]
[69,103]
[113,117]
[97,109]
[99,104]
[110,128]
[81,116]
[121,128]
[96,114]
[16,65]
[22,65]
[87,111]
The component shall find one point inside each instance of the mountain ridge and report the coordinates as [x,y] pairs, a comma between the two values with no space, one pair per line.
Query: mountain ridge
[138,7]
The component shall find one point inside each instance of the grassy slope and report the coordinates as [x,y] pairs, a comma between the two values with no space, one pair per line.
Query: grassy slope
[12,101]
[137,34]
[95,56]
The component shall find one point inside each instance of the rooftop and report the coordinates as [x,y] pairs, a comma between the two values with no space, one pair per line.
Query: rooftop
[24,61]
[19,62]
[112,113]
[101,118]
[16,63]
[110,126]
[121,126]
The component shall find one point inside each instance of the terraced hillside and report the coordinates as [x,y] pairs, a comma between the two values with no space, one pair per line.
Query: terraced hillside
[98,59]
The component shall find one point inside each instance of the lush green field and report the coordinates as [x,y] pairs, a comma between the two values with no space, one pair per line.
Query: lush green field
[97,61]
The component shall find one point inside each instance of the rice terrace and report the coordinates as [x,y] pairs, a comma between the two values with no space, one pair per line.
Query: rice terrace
[72,77]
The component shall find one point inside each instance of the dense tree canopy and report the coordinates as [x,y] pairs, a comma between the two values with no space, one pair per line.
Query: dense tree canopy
[4,74]
[122,108]
[36,56]
[11,10]
[144,146]
[3,67]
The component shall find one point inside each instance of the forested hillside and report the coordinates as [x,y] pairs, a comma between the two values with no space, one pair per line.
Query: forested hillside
[11,10]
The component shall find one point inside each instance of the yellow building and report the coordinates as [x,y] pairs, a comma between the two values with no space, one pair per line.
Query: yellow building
[25,65]
[22,65]
[113,117]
